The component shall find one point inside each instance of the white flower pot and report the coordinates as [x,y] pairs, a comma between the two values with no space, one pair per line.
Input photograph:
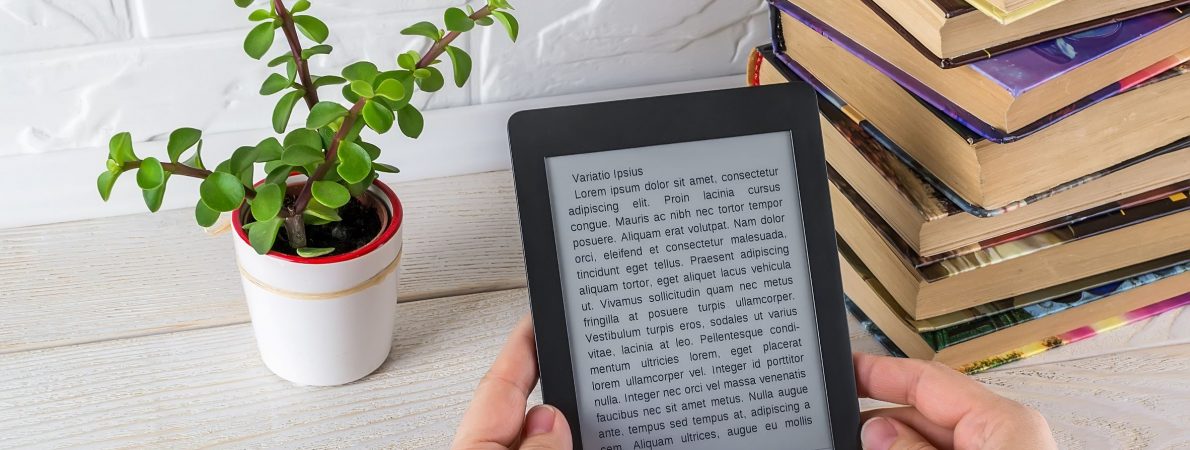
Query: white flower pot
[328,320]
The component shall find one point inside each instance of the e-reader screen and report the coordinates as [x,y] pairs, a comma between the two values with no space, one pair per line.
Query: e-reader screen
[687,296]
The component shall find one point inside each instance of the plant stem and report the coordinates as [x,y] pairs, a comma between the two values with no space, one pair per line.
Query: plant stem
[303,199]
[295,47]
[436,50]
[187,171]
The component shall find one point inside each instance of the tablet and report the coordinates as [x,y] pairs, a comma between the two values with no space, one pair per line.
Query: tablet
[683,274]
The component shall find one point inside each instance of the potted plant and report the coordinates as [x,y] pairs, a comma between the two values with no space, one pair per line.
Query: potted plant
[318,238]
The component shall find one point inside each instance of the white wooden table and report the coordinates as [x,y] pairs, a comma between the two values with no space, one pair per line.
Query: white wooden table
[132,332]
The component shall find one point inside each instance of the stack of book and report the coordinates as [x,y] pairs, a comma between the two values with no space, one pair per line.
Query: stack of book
[998,189]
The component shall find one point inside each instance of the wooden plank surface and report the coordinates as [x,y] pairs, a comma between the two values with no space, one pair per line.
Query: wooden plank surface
[143,274]
[208,387]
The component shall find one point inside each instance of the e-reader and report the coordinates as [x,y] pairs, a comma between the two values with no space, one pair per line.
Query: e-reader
[682,271]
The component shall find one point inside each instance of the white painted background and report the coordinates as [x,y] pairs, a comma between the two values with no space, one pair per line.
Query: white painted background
[73,72]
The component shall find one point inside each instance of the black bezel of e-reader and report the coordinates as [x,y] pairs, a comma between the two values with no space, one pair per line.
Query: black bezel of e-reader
[535,135]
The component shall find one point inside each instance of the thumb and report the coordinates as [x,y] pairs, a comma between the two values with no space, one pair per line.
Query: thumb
[546,429]
[884,433]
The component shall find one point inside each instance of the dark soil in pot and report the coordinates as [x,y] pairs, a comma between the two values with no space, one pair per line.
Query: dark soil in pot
[362,222]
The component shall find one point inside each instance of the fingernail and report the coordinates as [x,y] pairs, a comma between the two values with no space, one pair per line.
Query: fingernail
[878,433]
[540,420]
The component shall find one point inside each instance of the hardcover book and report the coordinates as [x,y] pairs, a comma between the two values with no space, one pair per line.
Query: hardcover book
[926,217]
[952,33]
[1011,95]
[1117,132]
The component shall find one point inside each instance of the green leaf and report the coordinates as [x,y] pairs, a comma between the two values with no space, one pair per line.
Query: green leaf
[312,28]
[113,166]
[461,62]
[426,29]
[408,60]
[457,20]
[321,49]
[328,80]
[263,234]
[274,83]
[267,203]
[378,117]
[362,89]
[300,6]
[322,213]
[268,150]
[204,215]
[421,74]
[509,22]
[195,161]
[151,175]
[354,162]
[330,193]
[247,175]
[259,40]
[358,189]
[105,183]
[372,150]
[324,113]
[391,89]
[259,15]
[278,173]
[153,197]
[485,21]
[305,137]
[361,71]
[243,3]
[120,148]
[222,191]
[291,70]
[349,94]
[301,155]
[314,252]
[381,167]
[288,57]
[411,121]
[181,140]
[284,110]
[432,83]
[242,158]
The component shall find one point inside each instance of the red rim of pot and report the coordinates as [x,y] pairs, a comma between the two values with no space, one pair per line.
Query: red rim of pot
[383,238]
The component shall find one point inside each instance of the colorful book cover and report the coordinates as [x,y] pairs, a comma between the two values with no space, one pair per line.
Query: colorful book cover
[829,100]
[955,8]
[1020,70]
[1078,334]
[1031,349]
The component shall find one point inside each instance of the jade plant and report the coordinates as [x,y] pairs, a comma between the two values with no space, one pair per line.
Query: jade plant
[329,150]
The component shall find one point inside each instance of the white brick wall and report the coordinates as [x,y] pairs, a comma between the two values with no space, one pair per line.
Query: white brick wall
[73,72]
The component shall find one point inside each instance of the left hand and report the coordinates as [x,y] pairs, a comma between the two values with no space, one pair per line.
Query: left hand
[496,418]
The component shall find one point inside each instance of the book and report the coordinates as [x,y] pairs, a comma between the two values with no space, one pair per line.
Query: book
[925,217]
[952,33]
[1124,129]
[984,281]
[1009,12]
[869,302]
[1010,91]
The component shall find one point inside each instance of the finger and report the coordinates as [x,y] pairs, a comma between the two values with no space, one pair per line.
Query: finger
[941,394]
[546,429]
[940,436]
[883,433]
[494,418]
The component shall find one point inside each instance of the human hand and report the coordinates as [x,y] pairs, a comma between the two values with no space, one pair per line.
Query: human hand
[496,418]
[946,410]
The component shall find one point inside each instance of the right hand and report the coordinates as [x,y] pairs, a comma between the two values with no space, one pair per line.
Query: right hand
[945,409]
